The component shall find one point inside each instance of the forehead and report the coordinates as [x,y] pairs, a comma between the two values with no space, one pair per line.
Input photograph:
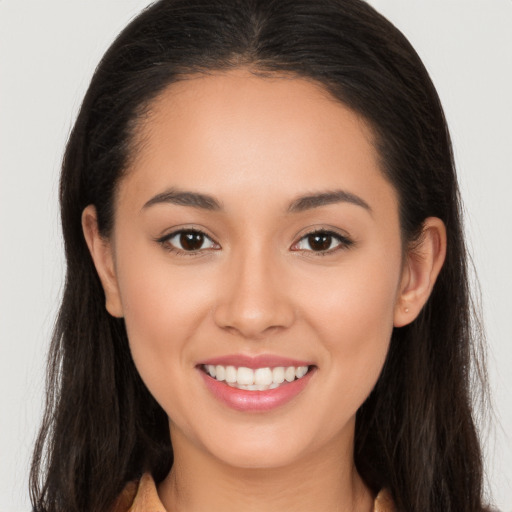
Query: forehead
[233,132]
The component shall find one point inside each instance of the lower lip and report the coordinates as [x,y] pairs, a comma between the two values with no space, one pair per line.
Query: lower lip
[255,401]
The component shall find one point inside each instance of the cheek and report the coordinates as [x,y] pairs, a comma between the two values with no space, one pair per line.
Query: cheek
[352,313]
[162,309]
[356,298]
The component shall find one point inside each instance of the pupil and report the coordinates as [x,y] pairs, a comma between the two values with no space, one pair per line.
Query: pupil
[191,241]
[319,242]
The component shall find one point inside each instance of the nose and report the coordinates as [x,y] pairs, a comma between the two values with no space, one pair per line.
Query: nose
[253,301]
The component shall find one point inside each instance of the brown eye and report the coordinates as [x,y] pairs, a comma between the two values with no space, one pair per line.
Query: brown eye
[320,241]
[189,240]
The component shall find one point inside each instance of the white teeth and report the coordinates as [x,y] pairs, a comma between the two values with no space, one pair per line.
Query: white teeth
[278,375]
[301,371]
[220,372]
[230,374]
[289,374]
[263,377]
[259,379]
[245,376]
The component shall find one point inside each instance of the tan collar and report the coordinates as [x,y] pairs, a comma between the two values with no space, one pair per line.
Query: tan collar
[143,497]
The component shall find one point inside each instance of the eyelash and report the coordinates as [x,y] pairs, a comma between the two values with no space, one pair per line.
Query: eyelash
[165,241]
[343,242]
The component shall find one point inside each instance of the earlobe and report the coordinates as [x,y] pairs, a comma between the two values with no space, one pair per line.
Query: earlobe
[102,255]
[421,267]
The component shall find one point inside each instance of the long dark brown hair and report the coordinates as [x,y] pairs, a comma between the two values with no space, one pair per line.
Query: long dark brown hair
[415,434]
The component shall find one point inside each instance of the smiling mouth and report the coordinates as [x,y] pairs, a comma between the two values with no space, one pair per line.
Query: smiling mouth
[258,379]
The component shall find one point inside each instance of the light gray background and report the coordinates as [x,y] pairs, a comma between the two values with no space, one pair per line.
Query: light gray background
[48,50]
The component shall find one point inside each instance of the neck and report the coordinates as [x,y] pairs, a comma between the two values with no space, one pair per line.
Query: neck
[324,482]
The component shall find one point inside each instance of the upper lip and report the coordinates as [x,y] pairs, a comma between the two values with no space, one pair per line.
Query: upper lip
[261,361]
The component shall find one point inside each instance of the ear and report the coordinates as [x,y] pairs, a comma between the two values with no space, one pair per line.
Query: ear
[422,265]
[102,255]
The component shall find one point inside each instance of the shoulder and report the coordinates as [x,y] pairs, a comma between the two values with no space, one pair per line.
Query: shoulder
[142,496]
[384,502]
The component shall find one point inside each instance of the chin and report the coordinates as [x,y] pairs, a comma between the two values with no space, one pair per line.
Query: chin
[254,457]
[254,447]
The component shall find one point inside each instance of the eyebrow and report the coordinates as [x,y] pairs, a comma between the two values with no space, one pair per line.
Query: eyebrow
[184,198]
[326,198]
[303,203]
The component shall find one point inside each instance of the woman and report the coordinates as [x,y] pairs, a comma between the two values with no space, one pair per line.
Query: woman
[266,303]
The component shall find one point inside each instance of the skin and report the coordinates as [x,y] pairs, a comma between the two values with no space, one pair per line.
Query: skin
[256,145]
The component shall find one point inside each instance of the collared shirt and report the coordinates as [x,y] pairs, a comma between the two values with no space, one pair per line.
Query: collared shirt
[143,497]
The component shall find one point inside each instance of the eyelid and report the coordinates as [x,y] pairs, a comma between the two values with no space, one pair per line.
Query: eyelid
[164,241]
[345,242]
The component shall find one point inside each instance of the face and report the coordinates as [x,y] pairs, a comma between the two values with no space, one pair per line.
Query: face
[256,240]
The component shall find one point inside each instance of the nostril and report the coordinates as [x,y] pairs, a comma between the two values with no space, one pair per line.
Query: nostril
[253,324]
[253,307]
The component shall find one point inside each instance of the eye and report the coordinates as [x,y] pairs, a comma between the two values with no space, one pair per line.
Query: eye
[188,240]
[322,242]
